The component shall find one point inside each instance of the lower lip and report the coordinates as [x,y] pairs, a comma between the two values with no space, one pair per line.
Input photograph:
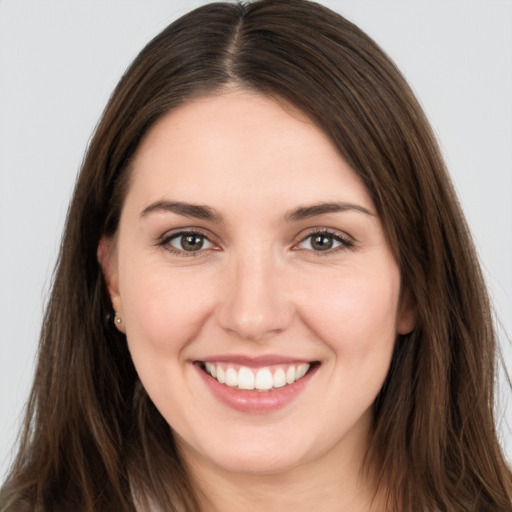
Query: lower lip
[256,402]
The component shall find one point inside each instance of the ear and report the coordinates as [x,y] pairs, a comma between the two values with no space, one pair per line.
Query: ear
[406,314]
[106,255]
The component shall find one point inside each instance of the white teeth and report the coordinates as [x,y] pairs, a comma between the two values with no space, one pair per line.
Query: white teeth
[290,375]
[279,378]
[245,378]
[231,378]
[262,379]
[221,376]
[301,371]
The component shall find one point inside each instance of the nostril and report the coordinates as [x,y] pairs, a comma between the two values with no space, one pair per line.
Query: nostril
[254,308]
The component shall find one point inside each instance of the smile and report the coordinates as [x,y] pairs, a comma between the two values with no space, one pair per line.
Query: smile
[266,378]
[256,385]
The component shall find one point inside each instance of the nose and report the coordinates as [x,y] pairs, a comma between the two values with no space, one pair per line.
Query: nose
[256,304]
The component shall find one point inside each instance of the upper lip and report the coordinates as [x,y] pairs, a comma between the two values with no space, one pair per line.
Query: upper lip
[252,361]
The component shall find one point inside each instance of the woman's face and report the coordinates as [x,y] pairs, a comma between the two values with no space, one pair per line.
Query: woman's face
[249,249]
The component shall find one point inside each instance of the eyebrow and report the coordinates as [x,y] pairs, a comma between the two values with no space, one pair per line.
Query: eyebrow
[195,211]
[203,212]
[306,212]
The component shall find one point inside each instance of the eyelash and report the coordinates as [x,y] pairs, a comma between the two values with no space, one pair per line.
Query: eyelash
[345,242]
[165,242]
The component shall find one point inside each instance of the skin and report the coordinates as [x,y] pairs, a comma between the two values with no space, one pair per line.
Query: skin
[257,287]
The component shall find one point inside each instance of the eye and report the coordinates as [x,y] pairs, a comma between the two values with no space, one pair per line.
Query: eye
[324,241]
[190,242]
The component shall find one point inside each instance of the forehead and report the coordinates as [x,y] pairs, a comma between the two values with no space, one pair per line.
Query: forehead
[220,147]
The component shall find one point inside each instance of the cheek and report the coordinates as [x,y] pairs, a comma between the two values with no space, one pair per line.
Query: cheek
[164,309]
[165,312]
[354,313]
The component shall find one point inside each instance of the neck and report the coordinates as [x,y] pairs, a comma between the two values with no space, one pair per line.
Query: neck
[297,492]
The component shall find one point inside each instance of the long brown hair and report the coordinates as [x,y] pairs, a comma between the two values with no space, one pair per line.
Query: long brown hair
[93,440]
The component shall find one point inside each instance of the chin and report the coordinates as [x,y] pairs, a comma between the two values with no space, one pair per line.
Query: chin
[256,464]
[262,458]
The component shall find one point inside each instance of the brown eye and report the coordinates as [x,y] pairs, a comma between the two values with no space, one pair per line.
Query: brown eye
[324,241]
[189,242]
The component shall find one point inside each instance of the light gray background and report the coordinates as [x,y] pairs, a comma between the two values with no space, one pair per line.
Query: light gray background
[59,61]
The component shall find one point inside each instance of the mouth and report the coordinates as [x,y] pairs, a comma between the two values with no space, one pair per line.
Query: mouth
[263,379]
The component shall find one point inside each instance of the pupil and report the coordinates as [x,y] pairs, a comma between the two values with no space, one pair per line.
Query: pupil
[322,242]
[192,242]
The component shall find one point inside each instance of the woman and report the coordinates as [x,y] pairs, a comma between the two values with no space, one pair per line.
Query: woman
[266,296]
